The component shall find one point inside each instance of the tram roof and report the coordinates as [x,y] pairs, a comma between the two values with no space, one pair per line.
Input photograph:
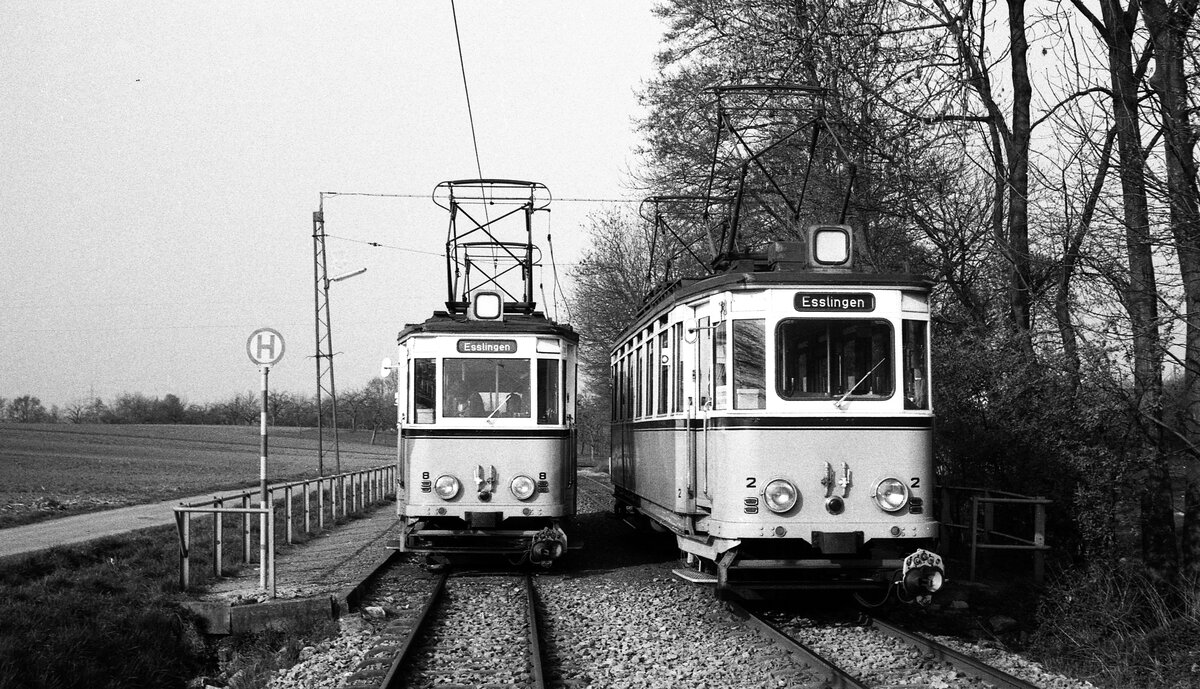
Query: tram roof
[685,288]
[445,323]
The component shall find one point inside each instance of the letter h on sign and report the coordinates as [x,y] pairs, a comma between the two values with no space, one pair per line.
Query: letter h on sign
[266,343]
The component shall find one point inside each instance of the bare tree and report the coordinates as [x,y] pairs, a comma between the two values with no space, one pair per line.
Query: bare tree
[1169,26]
[1140,295]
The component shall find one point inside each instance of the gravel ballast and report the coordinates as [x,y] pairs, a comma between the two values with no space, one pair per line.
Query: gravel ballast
[615,616]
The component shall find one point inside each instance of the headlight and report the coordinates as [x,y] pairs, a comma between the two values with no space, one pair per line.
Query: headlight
[891,495]
[781,495]
[522,487]
[446,487]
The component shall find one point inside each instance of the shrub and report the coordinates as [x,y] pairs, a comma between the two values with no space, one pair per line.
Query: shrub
[1115,625]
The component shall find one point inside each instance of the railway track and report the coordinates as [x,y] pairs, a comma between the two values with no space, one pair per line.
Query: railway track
[915,661]
[467,632]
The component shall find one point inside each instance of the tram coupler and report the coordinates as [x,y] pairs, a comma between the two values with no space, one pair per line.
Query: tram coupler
[547,545]
[923,575]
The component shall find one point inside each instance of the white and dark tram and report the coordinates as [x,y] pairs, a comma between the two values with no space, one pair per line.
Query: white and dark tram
[776,418]
[486,393]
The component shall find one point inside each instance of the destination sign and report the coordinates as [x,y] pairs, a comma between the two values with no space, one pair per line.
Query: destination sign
[487,346]
[826,301]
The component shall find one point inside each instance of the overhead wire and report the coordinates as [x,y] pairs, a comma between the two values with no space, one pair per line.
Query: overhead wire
[557,199]
[386,246]
[557,286]
[463,67]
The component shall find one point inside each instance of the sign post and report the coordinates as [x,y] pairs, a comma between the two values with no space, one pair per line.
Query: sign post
[265,348]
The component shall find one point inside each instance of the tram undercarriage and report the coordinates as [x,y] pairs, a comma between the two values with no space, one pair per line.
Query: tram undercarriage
[832,561]
[485,533]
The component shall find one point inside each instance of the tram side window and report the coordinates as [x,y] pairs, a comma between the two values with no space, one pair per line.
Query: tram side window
[749,364]
[677,348]
[720,371]
[631,385]
[650,359]
[916,385]
[486,388]
[639,385]
[620,392]
[831,358]
[613,387]
[664,374]
[547,390]
[424,387]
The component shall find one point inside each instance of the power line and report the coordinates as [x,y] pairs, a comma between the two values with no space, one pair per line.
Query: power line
[150,328]
[381,245]
[385,246]
[567,199]
[462,65]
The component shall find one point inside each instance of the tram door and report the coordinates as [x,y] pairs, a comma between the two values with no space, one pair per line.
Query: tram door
[704,404]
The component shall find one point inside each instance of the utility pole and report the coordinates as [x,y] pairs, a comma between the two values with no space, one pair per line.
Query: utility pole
[326,391]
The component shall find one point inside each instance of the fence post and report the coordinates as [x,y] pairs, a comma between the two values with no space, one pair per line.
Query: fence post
[307,512]
[287,500]
[974,532]
[246,558]
[1039,540]
[183,526]
[218,528]
[320,504]
[989,517]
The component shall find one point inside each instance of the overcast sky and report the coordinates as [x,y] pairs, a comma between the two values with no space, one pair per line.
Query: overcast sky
[162,161]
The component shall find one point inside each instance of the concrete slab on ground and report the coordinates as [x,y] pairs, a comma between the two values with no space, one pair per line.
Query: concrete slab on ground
[318,579]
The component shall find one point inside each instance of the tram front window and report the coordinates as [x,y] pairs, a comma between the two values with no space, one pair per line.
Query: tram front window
[485,388]
[831,358]
[547,382]
[424,386]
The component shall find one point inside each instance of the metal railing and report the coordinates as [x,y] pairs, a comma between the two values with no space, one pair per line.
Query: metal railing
[982,533]
[327,497]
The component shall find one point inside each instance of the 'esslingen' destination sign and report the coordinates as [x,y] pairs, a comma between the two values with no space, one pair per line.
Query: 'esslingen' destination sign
[487,346]
[834,301]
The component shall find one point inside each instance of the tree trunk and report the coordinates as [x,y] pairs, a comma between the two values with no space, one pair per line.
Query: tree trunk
[1168,31]
[1141,297]
[1021,275]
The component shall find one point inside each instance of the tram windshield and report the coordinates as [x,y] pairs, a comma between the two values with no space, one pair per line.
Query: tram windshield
[485,388]
[832,358]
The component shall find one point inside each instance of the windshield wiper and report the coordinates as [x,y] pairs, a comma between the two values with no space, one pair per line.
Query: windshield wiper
[498,405]
[849,392]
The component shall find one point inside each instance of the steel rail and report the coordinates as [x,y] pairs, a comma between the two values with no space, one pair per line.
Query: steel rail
[535,645]
[402,650]
[961,661]
[833,676]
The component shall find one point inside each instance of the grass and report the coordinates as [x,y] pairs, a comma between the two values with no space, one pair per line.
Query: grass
[103,615]
[107,613]
[52,470]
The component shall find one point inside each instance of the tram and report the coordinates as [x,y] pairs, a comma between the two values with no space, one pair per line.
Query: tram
[774,414]
[486,393]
